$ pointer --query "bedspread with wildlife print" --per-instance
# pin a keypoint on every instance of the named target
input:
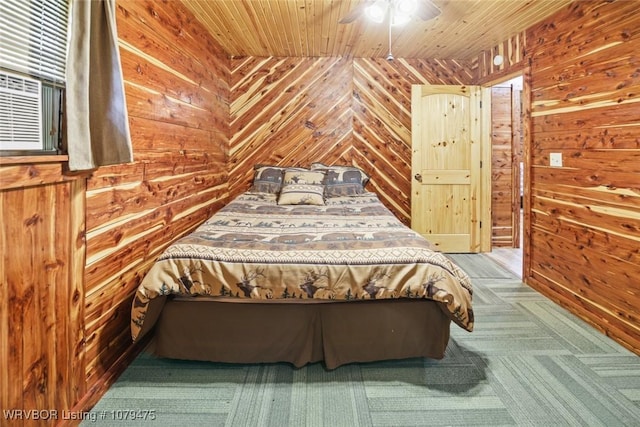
(351, 248)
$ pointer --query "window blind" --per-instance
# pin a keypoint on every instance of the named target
(33, 38)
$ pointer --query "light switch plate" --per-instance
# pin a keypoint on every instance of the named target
(555, 160)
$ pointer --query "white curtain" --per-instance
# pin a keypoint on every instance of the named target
(97, 121)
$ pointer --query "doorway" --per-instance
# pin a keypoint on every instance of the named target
(507, 180)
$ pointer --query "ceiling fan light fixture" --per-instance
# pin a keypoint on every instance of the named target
(377, 11)
(399, 19)
(406, 7)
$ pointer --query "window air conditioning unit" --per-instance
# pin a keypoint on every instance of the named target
(20, 112)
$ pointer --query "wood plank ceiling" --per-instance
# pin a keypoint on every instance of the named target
(311, 28)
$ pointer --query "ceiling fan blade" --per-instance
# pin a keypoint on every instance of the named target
(428, 10)
(355, 13)
(453, 10)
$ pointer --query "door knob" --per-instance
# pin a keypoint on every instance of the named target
(418, 177)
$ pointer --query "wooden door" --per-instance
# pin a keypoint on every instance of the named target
(451, 188)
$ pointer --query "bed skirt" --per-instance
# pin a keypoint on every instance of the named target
(336, 333)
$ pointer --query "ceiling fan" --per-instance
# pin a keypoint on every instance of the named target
(398, 11)
(395, 12)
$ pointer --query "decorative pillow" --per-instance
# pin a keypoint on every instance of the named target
(342, 180)
(342, 183)
(302, 187)
(355, 173)
(267, 179)
(301, 194)
(303, 176)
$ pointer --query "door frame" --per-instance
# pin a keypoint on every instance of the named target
(526, 247)
(485, 190)
(516, 157)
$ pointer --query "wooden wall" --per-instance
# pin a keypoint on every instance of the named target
(177, 97)
(505, 173)
(287, 111)
(501, 167)
(584, 245)
(382, 120)
(41, 293)
(64, 335)
(506, 148)
(512, 50)
(200, 122)
(293, 111)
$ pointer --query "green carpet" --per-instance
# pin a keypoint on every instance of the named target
(528, 362)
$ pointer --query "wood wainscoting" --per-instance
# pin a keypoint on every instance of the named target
(41, 289)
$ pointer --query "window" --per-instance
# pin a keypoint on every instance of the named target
(33, 47)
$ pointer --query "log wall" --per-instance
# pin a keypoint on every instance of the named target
(293, 111)
(584, 243)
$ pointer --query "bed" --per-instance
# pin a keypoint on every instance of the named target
(304, 267)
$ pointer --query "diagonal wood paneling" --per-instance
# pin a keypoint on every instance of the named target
(286, 111)
(293, 111)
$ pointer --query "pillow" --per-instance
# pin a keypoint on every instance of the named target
(267, 179)
(301, 194)
(342, 180)
(342, 183)
(303, 176)
(302, 187)
(355, 173)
